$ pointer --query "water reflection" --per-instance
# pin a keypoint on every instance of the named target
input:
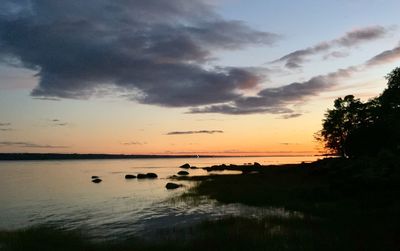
(61, 193)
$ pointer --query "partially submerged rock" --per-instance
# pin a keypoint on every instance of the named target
(245, 169)
(147, 176)
(130, 176)
(186, 166)
(171, 185)
(151, 175)
(183, 173)
(96, 180)
(95, 177)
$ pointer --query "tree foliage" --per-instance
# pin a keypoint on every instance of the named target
(353, 128)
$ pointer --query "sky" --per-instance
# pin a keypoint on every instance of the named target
(223, 77)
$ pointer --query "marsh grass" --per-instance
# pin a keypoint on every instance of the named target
(348, 204)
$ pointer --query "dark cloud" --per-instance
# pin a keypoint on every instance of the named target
(27, 145)
(195, 132)
(277, 100)
(5, 124)
(155, 52)
(297, 58)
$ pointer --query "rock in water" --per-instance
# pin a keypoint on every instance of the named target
(151, 175)
(95, 177)
(147, 176)
(130, 176)
(172, 185)
(96, 180)
(186, 166)
(183, 173)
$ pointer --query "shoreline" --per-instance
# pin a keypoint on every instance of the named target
(78, 156)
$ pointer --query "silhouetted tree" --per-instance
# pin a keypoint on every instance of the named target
(339, 122)
(353, 128)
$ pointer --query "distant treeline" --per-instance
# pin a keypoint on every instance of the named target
(61, 156)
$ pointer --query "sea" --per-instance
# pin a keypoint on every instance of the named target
(60, 193)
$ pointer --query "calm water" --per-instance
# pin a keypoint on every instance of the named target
(61, 193)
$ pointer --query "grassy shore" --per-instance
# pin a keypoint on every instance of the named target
(344, 205)
(350, 204)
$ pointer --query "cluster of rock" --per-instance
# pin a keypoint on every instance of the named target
(246, 168)
(96, 179)
(142, 176)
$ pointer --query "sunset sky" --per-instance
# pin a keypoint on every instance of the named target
(186, 77)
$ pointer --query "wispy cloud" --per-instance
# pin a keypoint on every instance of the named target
(336, 54)
(57, 122)
(132, 143)
(47, 98)
(195, 132)
(289, 144)
(352, 38)
(291, 115)
(279, 100)
(385, 57)
(4, 127)
(27, 145)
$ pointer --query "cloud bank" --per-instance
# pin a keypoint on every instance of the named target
(157, 52)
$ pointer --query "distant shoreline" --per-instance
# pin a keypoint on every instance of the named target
(78, 156)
